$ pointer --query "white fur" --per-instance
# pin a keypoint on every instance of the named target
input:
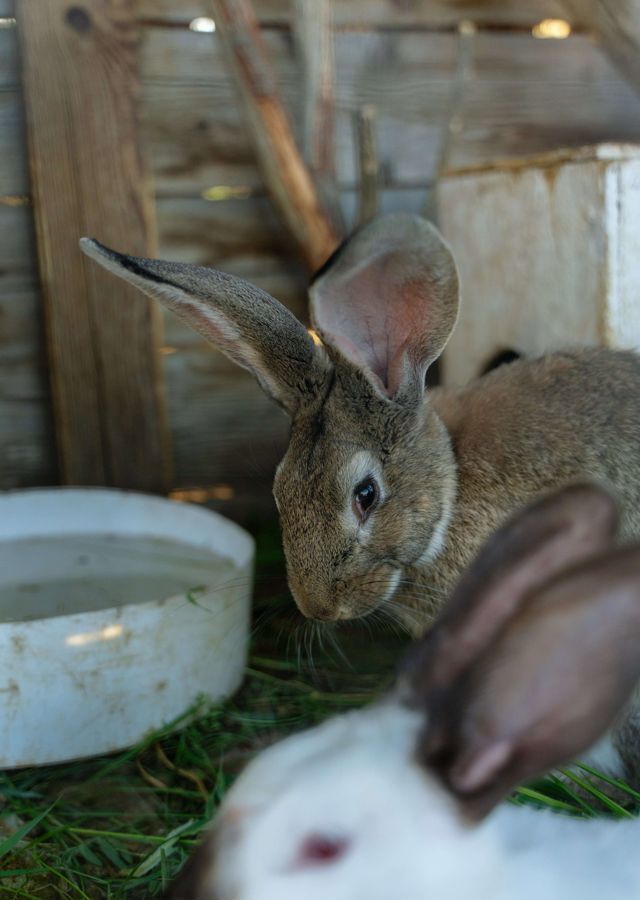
(354, 778)
(438, 535)
(604, 757)
(394, 581)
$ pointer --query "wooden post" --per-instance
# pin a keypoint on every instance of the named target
(368, 169)
(87, 175)
(312, 23)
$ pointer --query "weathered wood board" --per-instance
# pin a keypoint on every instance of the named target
(550, 257)
(377, 13)
(80, 85)
(524, 96)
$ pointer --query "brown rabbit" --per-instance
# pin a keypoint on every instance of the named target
(387, 490)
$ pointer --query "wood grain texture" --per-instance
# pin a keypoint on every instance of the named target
(283, 170)
(376, 13)
(523, 95)
(27, 454)
(14, 179)
(616, 26)
(9, 75)
(88, 178)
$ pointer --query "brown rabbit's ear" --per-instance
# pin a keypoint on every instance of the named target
(388, 301)
(546, 690)
(246, 323)
(551, 535)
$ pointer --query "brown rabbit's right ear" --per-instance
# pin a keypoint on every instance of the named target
(246, 323)
(546, 690)
(388, 301)
(536, 652)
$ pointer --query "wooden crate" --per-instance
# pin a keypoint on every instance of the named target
(549, 255)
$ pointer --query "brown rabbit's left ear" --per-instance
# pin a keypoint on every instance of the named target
(243, 321)
(388, 301)
(546, 690)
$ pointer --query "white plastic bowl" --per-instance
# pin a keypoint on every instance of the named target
(117, 612)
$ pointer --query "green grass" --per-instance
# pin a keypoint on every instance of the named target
(121, 826)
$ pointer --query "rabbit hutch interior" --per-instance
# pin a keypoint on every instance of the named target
(252, 137)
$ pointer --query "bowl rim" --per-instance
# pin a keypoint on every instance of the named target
(49, 512)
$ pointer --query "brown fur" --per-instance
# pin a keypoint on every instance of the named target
(533, 426)
(385, 306)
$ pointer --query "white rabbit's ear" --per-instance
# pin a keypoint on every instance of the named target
(246, 323)
(547, 689)
(388, 301)
(545, 538)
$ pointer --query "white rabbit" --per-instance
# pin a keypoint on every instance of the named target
(532, 659)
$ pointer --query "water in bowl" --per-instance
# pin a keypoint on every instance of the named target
(54, 576)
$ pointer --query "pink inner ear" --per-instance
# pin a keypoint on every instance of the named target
(378, 317)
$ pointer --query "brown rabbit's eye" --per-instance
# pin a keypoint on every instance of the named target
(364, 498)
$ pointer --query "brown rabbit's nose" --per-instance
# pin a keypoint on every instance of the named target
(311, 607)
(319, 612)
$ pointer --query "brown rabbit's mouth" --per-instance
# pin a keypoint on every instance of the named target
(352, 598)
(365, 594)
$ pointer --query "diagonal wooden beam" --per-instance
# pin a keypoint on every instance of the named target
(285, 174)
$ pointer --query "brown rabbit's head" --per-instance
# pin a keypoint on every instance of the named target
(367, 484)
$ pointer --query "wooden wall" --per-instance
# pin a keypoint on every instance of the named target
(521, 95)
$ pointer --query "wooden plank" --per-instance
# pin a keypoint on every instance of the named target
(524, 95)
(80, 86)
(196, 136)
(244, 237)
(378, 13)
(9, 69)
(616, 26)
(14, 179)
(7, 8)
(220, 233)
(27, 456)
(17, 244)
